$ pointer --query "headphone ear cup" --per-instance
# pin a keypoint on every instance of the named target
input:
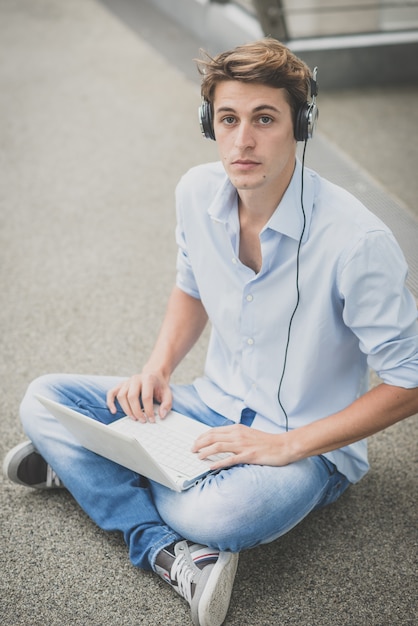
(205, 120)
(305, 122)
(301, 124)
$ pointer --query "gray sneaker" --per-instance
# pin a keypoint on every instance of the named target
(25, 466)
(202, 576)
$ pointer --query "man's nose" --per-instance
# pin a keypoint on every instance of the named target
(244, 137)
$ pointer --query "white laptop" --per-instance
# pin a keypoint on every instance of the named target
(159, 451)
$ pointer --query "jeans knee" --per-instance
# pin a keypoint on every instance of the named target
(35, 386)
(208, 515)
(209, 526)
(42, 385)
(30, 408)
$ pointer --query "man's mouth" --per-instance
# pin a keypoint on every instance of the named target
(245, 163)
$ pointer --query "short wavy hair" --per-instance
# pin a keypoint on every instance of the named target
(266, 61)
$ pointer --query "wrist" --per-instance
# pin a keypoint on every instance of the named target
(294, 446)
(158, 371)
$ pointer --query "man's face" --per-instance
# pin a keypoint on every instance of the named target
(254, 132)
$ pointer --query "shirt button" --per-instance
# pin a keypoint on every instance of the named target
(249, 298)
(250, 341)
(234, 261)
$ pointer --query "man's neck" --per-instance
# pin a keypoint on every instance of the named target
(256, 206)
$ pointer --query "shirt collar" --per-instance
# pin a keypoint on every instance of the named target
(225, 200)
(287, 219)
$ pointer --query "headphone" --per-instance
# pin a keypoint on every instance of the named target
(305, 121)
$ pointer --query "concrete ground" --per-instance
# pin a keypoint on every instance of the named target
(98, 123)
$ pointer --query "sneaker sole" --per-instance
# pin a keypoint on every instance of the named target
(214, 601)
(11, 465)
(12, 461)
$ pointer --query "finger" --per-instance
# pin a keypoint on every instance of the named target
(166, 402)
(122, 395)
(123, 400)
(211, 437)
(208, 454)
(147, 398)
(219, 447)
(226, 462)
(205, 453)
(110, 399)
(134, 401)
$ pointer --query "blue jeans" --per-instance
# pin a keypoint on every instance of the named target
(238, 508)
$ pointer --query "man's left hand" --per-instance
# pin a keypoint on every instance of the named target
(246, 444)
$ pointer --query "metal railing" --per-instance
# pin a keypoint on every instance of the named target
(292, 19)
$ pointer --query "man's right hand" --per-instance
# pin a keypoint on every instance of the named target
(183, 324)
(137, 394)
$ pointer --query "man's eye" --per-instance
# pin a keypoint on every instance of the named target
(265, 119)
(228, 120)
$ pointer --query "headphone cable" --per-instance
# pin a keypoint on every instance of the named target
(297, 290)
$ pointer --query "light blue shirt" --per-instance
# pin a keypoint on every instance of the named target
(354, 310)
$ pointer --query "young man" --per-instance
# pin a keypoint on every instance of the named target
(304, 289)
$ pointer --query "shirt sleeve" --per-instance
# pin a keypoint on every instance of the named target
(379, 309)
(185, 278)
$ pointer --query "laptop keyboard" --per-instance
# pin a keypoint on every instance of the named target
(168, 447)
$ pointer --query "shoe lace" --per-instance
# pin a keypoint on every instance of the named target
(52, 479)
(183, 572)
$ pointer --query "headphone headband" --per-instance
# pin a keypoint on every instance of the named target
(314, 83)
